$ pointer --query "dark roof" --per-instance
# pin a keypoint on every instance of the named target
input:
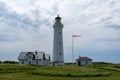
(57, 18)
(22, 55)
(37, 55)
(84, 59)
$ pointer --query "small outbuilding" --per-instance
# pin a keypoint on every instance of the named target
(83, 61)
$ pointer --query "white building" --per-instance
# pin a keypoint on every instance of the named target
(36, 58)
(58, 56)
(83, 61)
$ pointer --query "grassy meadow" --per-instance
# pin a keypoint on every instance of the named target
(67, 72)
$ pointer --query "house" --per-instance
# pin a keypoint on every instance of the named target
(83, 61)
(35, 58)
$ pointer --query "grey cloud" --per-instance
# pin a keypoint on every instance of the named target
(108, 40)
(13, 18)
(114, 26)
(104, 19)
(3, 9)
(22, 22)
(5, 38)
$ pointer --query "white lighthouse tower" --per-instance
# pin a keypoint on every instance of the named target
(58, 56)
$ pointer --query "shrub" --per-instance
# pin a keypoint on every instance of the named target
(69, 75)
(0, 61)
(10, 62)
(117, 66)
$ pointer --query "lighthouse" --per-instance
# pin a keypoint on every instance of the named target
(58, 55)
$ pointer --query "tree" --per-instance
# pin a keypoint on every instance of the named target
(0, 62)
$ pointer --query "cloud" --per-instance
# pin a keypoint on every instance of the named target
(114, 26)
(8, 38)
(109, 40)
(32, 18)
(29, 23)
(13, 23)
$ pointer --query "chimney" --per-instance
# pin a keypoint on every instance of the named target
(36, 52)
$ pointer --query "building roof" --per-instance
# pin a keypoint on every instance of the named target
(47, 56)
(22, 55)
(84, 59)
(37, 55)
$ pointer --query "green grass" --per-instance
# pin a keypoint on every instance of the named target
(67, 72)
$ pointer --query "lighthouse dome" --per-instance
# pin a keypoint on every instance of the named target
(58, 18)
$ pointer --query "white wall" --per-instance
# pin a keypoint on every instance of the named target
(58, 55)
(36, 62)
(84, 62)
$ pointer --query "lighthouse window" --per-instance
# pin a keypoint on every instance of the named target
(59, 33)
(60, 53)
(60, 43)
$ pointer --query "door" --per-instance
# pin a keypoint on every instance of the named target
(29, 62)
(79, 63)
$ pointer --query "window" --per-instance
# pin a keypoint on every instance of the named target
(36, 62)
(86, 62)
(29, 62)
(29, 57)
(59, 33)
(59, 43)
(22, 62)
(60, 53)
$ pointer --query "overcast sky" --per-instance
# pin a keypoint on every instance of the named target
(26, 25)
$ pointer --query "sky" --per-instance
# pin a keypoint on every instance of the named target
(27, 25)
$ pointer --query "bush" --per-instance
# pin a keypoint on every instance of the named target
(69, 75)
(10, 62)
(117, 66)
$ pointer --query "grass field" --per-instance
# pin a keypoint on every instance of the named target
(67, 72)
